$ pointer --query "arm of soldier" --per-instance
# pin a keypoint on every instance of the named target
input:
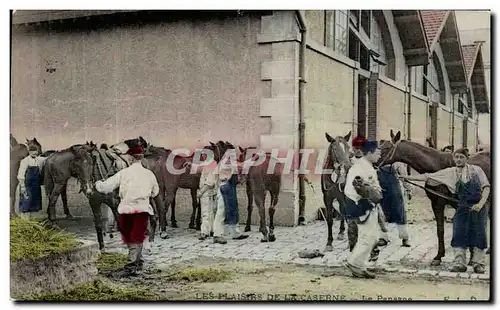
(21, 173)
(108, 185)
(485, 192)
(155, 194)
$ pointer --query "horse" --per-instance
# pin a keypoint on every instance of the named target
(187, 180)
(331, 184)
(428, 160)
(154, 160)
(17, 153)
(59, 167)
(258, 183)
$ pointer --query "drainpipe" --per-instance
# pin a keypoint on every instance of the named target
(302, 125)
(453, 121)
(409, 105)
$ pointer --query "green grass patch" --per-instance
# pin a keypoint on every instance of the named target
(29, 239)
(111, 260)
(96, 291)
(200, 275)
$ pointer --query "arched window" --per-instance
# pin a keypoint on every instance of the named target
(437, 78)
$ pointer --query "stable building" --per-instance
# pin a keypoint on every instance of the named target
(272, 79)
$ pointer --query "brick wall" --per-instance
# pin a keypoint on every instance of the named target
(372, 106)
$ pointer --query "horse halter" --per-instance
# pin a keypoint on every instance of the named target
(392, 151)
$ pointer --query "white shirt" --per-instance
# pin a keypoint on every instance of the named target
(208, 180)
(137, 184)
(29, 161)
(365, 170)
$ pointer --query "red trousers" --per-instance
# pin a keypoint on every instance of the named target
(133, 227)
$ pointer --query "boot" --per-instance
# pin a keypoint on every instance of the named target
(220, 240)
(359, 273)
(235, 232)
(459, 262)
(405, 243)
(478, 260)
(382, 242)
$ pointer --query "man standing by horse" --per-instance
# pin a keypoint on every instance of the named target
(137, 187)
(472, 188)
(228, 177)
(29, 177)
(363, 193)
(393, 200)
(207, 193)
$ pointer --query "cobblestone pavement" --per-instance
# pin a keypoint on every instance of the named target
(183, 244)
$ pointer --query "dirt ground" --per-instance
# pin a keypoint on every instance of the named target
(263, 281)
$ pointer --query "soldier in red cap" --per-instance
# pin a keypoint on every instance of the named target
(137, 186)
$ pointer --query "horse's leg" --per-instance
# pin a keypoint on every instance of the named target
(193, 212)
(260, 197)
(438, 209)
(13, 188)
(341, 235)
(64, 197)
(172, 214)
(54, 194)
(198, 212)
(95, 205)
(152, 232)
(249, 207)
(170, 201)
(272, 209)
(328, 201)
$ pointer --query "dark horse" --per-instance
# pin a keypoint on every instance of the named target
(172, 182)
(17, 153)
(153, 161)
(59, 167)
(258, 183)
(428, 160)
(337, 158)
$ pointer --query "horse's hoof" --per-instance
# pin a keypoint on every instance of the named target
(198, 228)
(436, 262)
(264, 240)
(191, 226)
(341, 236)
(174, 225)
(272, 238)
(247, 228)
(69, 217)
(329, 248)
(163, 235)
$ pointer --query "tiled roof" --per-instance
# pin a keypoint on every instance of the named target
(432, 21)
(469, 52)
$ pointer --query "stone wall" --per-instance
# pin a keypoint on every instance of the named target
(55, 272)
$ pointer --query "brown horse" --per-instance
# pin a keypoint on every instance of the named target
(154, 160)
(258, 183)
(186, 180)
(428, 160)
(337, 158)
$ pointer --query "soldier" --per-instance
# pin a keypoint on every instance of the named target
(363, 193)
(137, 186)
(470, 184)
